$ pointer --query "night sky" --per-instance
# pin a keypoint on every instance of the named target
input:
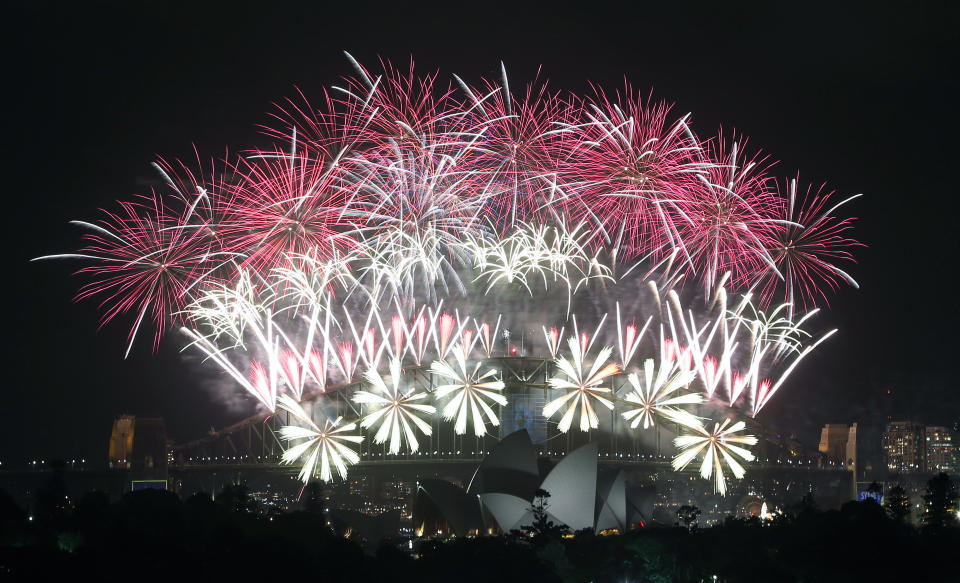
(864, 99)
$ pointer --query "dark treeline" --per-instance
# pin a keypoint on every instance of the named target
(155, 535)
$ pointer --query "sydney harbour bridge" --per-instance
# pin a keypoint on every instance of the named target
(252, 448)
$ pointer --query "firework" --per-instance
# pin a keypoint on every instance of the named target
(326, 446)
(239, 316)
(654, 394)
(144, 263)
(730, 224)
(283, 205)
(805, 246)
(717, 446)
(583, 386)
(628, 339)
(630, 168)
(471, 390)
(396, 412)
(551, 255)
(516, 144)
(415, 209)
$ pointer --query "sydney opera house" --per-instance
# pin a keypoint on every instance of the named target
(501, 493)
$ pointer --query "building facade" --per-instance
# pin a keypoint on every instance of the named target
(940, 453)
(904, 448)
(833, 441)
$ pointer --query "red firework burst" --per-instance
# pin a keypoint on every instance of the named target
(516, 140)
(399, 106)
(628, 169)
(806, 246)
(729, 222)
(285, 205)
(146, 263)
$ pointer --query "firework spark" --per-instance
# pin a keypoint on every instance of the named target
(471, 392)
(654, 395)
(583, 387)
(396, 412)
(717, 446)
(326, 446)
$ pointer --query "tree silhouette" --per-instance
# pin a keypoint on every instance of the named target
(897, 504)
(52, 499)
(236, 498)
(688, 516)
(940, 503)
(806, 507)
(312, 499)
(874, 492)
(542, 525)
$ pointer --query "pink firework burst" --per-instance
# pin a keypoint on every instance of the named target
(730, 222)
(629, 169)
(146, 263)
(413, 209)
(200, 190)
(805, 248)
(322, 131)
(398, 106)
(516, 143)
(285, 205)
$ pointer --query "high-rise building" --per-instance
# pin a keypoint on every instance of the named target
(903, 447)
(940, 450)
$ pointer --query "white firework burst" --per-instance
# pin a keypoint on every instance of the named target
(307, 281)
(553, 255)
(582, 386)
(721, 444)
(655, 394)
(471, 392)
(397, 412)
(327, 446)
(413, 210)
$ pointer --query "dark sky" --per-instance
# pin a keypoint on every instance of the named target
(864, 99)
